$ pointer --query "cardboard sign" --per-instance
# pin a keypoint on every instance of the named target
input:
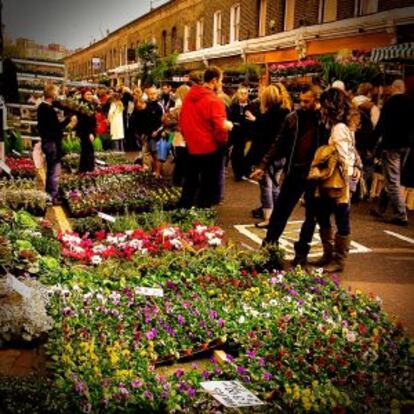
(149, 291)
(107, 217)
(5, 168)
(231, 394)
(100, 162)
(18, 286)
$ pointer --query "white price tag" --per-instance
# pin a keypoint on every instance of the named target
(231, 394)
(149, 291)
(17, 153)
(5, 168)
(107, 217)
(18, 286)
(100, 162)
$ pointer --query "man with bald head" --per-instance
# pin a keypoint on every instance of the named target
(396, 130)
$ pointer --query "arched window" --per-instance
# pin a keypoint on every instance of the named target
(164, 43)
(174, 45)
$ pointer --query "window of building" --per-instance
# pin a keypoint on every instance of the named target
(186, 45)
(217, 31)
(199, 34)
(164, 43)
(363, 7)
(174, 45)
(327, 11)
(289, 15)
(235, 23)
(262, 17)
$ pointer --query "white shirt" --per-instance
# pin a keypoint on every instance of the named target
(343, 139)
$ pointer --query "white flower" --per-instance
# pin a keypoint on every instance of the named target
(78, 249)
(96, 260)
(129, 232)
(242, 319)
(273, 302)
(215, 241)
(168, 232)
(136, 244)
(71, 239)
(99, 248)
(200, 229)
(351, 336)
(176, 243)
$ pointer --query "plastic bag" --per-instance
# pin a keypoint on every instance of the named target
(163, 149)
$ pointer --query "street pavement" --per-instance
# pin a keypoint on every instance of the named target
(382, 255)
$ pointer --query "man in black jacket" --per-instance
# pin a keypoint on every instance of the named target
(153, 126)
(301, 134)
(51, 132)
(240, 132)
(395, 126)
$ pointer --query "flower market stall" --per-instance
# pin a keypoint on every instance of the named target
(123, 302)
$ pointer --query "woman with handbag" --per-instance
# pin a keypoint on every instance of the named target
(274, 106)
(342, 119)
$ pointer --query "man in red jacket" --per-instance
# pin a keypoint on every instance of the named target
(204, 125)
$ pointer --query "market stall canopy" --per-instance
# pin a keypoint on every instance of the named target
(403, 51)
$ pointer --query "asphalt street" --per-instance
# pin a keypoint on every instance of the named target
(381, 259)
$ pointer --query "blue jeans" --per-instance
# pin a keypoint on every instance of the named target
(392, 163)
(270, 188)
(326, 207)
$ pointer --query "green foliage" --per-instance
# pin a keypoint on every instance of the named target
(70, 145)
(13, 142)
(147, 54)
(97, 144)
(352, 73)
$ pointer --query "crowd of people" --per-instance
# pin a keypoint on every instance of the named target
(322, 150)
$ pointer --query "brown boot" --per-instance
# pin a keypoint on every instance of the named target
(328, 248)
(341, 253)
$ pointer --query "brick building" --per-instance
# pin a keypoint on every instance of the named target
(228, 32)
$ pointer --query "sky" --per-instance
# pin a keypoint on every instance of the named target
(72, 23)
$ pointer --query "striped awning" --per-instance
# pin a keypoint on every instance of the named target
(403, 51)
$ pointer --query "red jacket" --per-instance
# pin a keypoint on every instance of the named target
(201, 121)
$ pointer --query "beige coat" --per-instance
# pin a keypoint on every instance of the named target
(116, 120)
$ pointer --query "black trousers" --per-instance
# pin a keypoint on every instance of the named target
(87, 156)
(202, 180)
(180, 165)
(293, 186)
(238, 162)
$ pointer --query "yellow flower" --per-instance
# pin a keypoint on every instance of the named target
(66, 358)
(125, 353)
(288, 389)
(123, 373)
(315, 383)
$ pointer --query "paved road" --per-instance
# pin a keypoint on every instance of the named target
(386, 268)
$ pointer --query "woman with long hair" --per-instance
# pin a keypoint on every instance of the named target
(342, 119)
(274, 106)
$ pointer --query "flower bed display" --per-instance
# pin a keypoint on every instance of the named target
(20, 168)
(184, 218)
(116, 189)
(297, 340)
(70, 162)
(126, 244)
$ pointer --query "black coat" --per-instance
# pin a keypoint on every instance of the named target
(50, 128)
(152, 117)
(242, 128)
(396, 126)
(287, 142)
(266, 129)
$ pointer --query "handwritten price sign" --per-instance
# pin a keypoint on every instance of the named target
(231, 394)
